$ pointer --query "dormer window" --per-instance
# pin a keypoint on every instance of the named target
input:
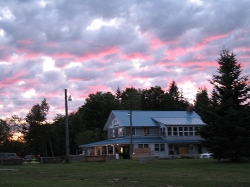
(182, 131)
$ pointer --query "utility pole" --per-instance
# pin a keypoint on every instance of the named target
(66, 127)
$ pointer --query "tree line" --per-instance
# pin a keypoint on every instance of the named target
(226, 113)
(40, 137)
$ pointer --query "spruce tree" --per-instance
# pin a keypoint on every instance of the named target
(227, 133)
(201, 102)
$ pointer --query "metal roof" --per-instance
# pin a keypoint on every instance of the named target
(126, 141)
(137, 140)
(180, 121)
(144, 118)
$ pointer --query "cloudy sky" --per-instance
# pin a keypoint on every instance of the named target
(100, 45)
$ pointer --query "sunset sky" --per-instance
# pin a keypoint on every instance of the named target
(87, 46)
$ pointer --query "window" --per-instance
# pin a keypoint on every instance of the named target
(115, 132)
(175, 132)
(162, 147)
(185, 131)
(195, 131)
(191, 147)
(169, 131)
(133, 131)
(142, 145)
(146, 130)
(159, 147)
(162, 131)
(156, 147)
(191, 131)
(182, 131)
(120, 132)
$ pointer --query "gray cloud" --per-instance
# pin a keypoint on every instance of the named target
(47, 46)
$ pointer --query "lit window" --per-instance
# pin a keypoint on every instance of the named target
(120, 132)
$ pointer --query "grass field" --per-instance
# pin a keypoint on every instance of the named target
(129, 173)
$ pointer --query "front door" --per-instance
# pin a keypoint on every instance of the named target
(125, 153)
(183, 150)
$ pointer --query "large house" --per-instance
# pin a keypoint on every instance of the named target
(164, 133)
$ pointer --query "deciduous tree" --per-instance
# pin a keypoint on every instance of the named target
(36, 131)
(5, 134)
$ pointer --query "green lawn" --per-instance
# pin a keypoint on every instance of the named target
(130, 173)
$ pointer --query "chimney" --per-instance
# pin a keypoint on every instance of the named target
(190, 108)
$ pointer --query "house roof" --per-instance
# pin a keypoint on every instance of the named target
(180, 121)
(153, 118)
(125, 141)
(137, 140)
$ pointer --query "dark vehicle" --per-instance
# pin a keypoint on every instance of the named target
(4, 156)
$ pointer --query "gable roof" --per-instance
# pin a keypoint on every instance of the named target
(145, 118)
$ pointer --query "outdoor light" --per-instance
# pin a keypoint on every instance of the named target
(69, 99)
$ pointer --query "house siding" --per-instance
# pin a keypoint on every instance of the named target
(152, 129)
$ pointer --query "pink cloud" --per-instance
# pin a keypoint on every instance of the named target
(212, 38)
(30, 55)
(51, 44)
(62, 55)
(90, 56)
(172, 54)
(12, 80)
(156, 43)
(25, 42)
(101, 88)
(136, 55)
(207, 40)
(77, 79)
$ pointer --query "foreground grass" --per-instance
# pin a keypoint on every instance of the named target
(129, 173)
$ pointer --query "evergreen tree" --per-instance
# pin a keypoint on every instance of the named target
(174, 91)
(227, 131)
(178, 103)
(118, 93)
(201, 102)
